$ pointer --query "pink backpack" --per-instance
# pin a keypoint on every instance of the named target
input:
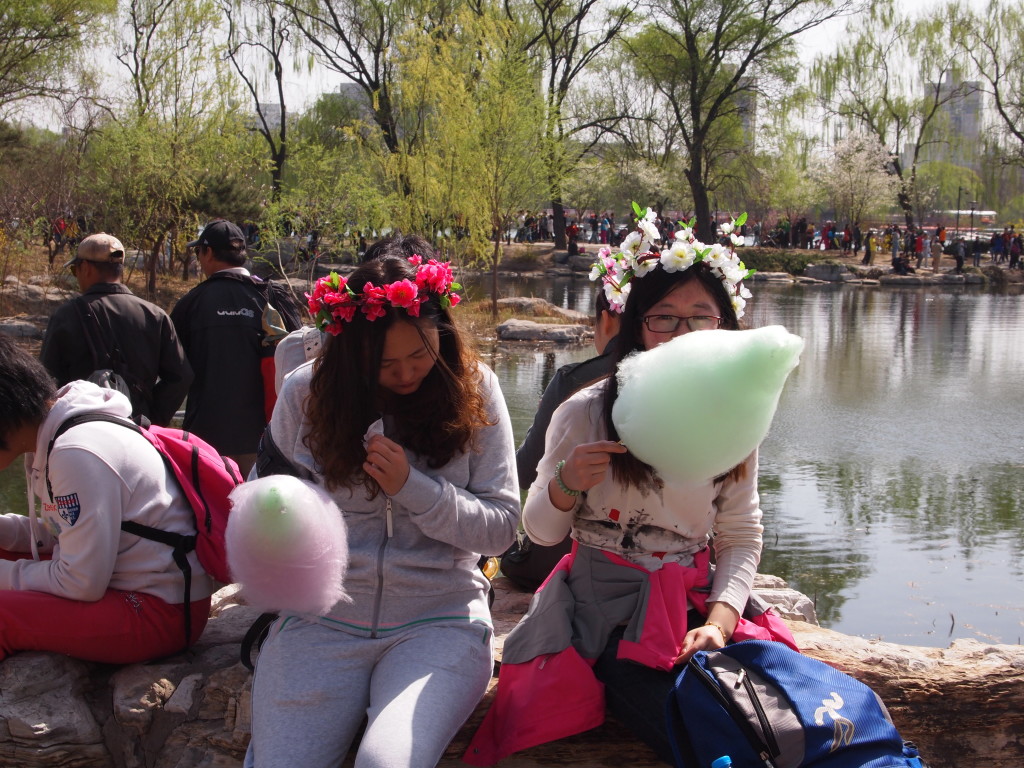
(206, 478)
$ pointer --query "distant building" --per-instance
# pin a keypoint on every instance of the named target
(272, 114)
(746, 105)
(959, 125)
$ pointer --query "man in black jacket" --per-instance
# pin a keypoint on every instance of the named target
(108, 326)
(229, 325)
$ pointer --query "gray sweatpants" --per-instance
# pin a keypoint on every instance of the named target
(314, 685)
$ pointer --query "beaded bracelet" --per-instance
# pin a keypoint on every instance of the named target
(561, 483)
(717, 626)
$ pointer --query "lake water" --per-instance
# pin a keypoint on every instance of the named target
(891, 480)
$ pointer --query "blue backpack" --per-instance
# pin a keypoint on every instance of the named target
(767, 706)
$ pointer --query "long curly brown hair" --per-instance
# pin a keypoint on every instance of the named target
(644, 294)
(437, 421)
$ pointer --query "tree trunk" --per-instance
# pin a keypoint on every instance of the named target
(495, 259)
(558, 212)
(701, 205)
(276, 172)
(154, 260)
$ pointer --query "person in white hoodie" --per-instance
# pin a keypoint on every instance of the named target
(71, 581)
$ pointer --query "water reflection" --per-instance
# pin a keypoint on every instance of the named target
(891, 483)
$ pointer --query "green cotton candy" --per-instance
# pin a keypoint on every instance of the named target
(698, 405)
(273, 525)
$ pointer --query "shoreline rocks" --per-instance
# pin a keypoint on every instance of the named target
(962, 705)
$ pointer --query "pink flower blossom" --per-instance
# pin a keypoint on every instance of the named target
(336, 298)
(454, 298)
(434, 276)
(402, 293)
(373, 301)
(344, 312)
(415, 259)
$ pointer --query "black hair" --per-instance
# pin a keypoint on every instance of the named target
(236, 257)
(26, 389)
(399, 247)
(108, 270)
(601, 303)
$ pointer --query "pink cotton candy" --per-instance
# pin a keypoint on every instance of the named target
(287, 545)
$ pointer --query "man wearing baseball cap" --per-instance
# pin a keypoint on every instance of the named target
(224, 327)
(108, 326)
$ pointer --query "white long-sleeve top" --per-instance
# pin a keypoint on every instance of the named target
(666, 522)
(101, 474)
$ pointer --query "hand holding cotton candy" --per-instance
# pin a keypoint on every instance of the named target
(698, 405)
(286, 545)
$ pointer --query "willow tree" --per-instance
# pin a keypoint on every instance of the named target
(39, 41)
(472, 146)
(710, 59)
(259, 34)
(895, 77)
(566, 38)
(358, 39)
(172, 132)
(509, 169)
(642, 158)
(994, 42)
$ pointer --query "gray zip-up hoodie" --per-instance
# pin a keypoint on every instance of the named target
(424, 568)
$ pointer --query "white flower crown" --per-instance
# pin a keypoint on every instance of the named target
(638, 255)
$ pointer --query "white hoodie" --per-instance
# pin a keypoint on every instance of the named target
(101, 474)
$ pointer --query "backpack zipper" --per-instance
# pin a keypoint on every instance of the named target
(756, 742)
(389, 532)
(762, 717)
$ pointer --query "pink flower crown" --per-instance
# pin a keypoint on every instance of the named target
(333, 302)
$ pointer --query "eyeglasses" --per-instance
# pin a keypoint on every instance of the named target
(74, 267)
(669, 323)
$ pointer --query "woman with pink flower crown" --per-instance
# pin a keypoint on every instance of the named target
(408, 432)
(634, 600)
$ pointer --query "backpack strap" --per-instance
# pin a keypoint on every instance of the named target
(91, 331)
(180, 544)
(254, 637)
(269, 461)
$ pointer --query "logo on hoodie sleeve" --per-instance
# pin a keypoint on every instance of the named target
(68, 507)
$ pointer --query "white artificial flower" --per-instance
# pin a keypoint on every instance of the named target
(616, 295)
(632, 242)
(616, 271)
(738, 304)
(645, 265)
(679, 257)
(732, 272)
(649, 228)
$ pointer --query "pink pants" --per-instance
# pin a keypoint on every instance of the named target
(119, 628)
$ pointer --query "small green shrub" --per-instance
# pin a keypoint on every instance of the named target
(778, 260)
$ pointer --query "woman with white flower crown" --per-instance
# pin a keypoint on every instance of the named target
(408, 432)
(634, 600)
